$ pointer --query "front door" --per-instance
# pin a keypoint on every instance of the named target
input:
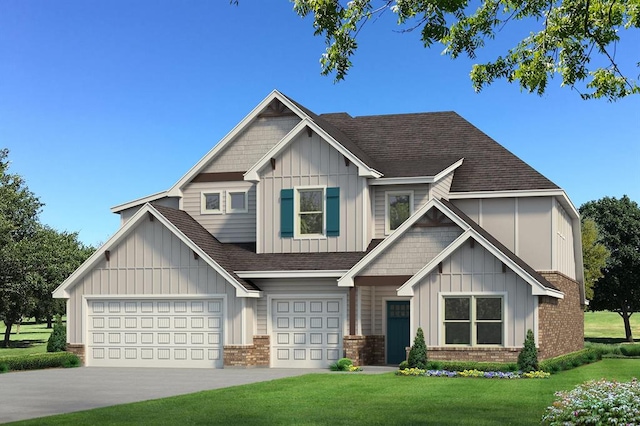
(397, 331)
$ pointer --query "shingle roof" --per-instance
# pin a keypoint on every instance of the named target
(203, 239)
(408, 145)
(497, 244)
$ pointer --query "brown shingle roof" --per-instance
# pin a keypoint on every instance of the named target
(203, 239)
(407, 145)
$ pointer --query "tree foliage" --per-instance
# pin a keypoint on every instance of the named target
(594, 255)
(528, 356)
(575, 39)
(418, 352)
(618, 289)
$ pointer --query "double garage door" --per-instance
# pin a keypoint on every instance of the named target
(155, 333)
(306, 333)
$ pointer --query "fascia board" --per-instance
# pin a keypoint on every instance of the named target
(448, 170)
(139, 201)
(235, 132)
(416, 180)
(253, 173)
(292, 274)
(347, 279)
(61, 292)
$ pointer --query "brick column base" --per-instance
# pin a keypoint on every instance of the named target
(78, 349)
(364, 350)
(246, 356)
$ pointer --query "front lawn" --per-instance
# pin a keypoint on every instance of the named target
(358, 399)
(31, 340)
(607, 327)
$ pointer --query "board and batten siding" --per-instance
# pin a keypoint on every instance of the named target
(311, 162)
(523, 225)
(251, 144)
(412, 251)
(473, 271)
(290, 287)
(227, 227)
(151, 261)
(441, 188)
(420, 197)
(565, 254)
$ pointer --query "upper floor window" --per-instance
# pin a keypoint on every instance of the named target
(473, 320)
(398, 208)
(237, 202)
(308, 212)
(211, 203)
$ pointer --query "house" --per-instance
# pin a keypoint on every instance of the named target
(301, 238)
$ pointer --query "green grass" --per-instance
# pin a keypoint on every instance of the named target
(31, 340)
(358, 399)
(607, 327)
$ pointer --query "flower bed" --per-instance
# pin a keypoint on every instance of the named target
(473, 373)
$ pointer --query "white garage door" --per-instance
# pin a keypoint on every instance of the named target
(306, 333)
(155, 333)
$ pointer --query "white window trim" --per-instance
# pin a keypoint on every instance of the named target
(296, 210)
(246, 201)
(473, 296)
(387, 225)
(203, 202)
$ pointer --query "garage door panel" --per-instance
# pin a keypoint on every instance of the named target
(306, 333)
(155, 333)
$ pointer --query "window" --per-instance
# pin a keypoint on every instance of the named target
(399, 206)
(310, 211)
(237, 202)
(211, 203)
(473, 320)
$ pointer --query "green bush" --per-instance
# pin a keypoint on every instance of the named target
(3, 367)
(342, 364)
(40, 361)
(528, 356)
(630, 350)
(596, 403)
(471, 365)
(403, 365)
(603, 348)
(569, 361)
(58, 339)
(418, 352)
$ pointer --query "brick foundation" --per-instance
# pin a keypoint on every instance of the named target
(244, 356)
(473, 354)
(561, 321)
(364, 350)
(78, 349)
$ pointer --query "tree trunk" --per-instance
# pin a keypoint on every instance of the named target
(627, 325)
(7, 334)
(49, 321)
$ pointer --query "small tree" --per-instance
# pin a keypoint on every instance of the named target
(418, 352)
(528, 357)
(58, 339)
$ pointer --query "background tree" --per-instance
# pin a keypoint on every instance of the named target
(575, 39)
(618, 290)
(594, 255)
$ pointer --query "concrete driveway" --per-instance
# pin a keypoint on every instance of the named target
(31, 394)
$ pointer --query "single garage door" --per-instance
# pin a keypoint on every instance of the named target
(155, 333)
(306, 333)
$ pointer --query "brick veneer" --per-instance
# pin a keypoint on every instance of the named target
(364, 350)
(78, 349)
(473, 354)
(255, 355)
(561, 321)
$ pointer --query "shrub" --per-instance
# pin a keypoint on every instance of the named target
(3, 367)
(58, 339)
(569, 361)
(603, 348)
(596, 402)
(418, 352)
(343, 364)
(40, 361)
(403, 365)
(528, 356)
(471, 365)
(630, 350)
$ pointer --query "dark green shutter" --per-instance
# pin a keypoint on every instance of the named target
(333, 212)
(286, 213)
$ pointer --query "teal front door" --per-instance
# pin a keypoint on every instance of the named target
(397, 331)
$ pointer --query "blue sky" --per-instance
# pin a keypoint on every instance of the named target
(106, 101)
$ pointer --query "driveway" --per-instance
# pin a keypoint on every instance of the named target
(31, 394)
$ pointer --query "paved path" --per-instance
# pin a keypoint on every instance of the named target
(31, 394)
